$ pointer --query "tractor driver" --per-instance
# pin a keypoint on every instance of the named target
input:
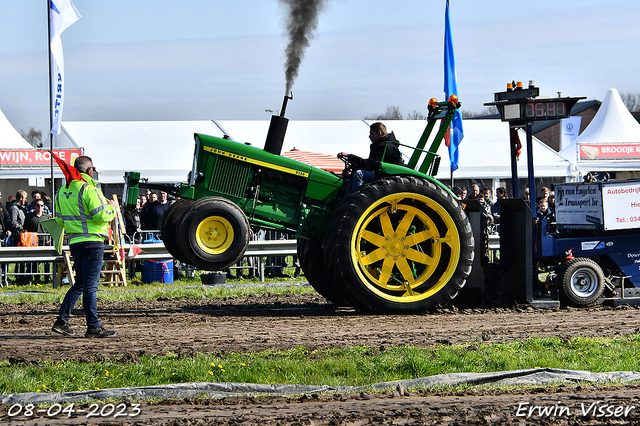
(384, 147)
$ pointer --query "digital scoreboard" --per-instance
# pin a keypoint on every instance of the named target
(522, 105)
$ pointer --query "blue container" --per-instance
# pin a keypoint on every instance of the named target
(157, 271)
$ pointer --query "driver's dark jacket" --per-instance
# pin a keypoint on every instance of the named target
(392, 154)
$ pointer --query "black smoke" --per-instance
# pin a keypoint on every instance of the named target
(301, 23)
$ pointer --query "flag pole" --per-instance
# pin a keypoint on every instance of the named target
(53, 188)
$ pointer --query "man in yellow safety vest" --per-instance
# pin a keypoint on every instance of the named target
(85, 213)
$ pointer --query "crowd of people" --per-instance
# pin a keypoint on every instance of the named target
(544, 207)
(20, 225)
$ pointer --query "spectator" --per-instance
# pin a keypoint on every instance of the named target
(144, 210)
(486, 192)
(155, 210)
(10, 200)
(527, 196)
(16, 214)
(544, 193)
(32, 224)
(473, 194)
(48, 202)
(463, 191)
(501, 194)
(544, 211)
(5, 222)
(36, 195)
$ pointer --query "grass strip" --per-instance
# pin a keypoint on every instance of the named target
(138, 290)
(355, 366)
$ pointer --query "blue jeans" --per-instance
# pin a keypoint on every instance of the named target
(359, 178)
(87, 264)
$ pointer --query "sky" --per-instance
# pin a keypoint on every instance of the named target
(225, 60)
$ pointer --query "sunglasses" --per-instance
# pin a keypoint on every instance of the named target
(94, 169)
(39, 205)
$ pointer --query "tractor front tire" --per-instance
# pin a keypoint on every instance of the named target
(213, 234)
(399, 245)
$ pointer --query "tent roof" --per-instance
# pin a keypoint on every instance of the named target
(326, 137)
(9, 136)
(161, 150)
(484, 152)
(613, 123)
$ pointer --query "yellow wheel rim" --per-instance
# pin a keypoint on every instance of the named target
(214, 235)
(405, 247)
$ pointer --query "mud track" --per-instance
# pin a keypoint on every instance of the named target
(259, 322)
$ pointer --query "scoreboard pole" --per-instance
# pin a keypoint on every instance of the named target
(532, 179)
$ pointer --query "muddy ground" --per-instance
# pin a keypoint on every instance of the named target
(259, 322)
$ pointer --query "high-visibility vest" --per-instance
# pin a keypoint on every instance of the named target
(83, 211)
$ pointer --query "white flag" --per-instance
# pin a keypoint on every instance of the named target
(570, 130)
(62, 13)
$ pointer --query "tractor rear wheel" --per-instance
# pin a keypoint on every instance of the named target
(400, 244)
(310, 256)
(212, 234)
(582, 281)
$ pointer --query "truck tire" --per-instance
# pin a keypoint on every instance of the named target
(167, 225)
(212, 234)
(399, 244)
(310, 256)
(582, 281)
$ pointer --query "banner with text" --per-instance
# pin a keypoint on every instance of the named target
(611, 151)
(11, 158)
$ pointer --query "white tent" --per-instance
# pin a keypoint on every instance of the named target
(613, 124)
(484, 152)
(324, 137)
(9, 136)
(161, 150)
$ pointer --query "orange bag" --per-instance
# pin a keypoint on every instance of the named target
(28, 239)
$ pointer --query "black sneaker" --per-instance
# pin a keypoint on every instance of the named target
(61, 327)
(99, 332)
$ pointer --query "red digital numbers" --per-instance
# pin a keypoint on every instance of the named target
(545, 110)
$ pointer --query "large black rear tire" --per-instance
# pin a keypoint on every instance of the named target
(212, 234)
(400, 244)
(310, 256)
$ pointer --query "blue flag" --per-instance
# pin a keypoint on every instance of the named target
(451, 88)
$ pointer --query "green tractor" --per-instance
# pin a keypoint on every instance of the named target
(398, 244)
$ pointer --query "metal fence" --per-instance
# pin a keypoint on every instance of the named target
(151, 251)
(258, 250)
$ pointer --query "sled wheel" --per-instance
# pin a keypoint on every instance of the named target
(400, 245)
(212, 234)
(167, 225)
(310, 256)
(582, 281)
